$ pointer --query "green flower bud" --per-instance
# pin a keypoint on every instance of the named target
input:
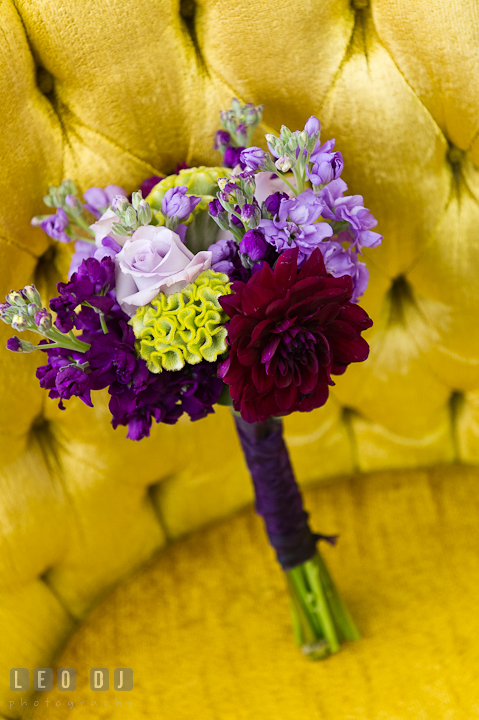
(285, 133)
(129, 217)
(32, 295)
(144, 213)
(15, 298)
(19, 322)
(284, 163)
(118, 229)
(136, 199)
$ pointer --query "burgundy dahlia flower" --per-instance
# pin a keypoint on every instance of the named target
(289, 330)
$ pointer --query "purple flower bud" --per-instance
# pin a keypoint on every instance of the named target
(215, 208)
(250, 214)
(176, 203)
(54, 226)
(222, 140)
(16, 345)
(232, 155)
(254, 245)
(312, 126)
(253, 158)
(273, 201)
(97, 199)
(120, 204)
(242, 134)
(43, 320)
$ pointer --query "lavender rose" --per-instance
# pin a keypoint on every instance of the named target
(154, 260)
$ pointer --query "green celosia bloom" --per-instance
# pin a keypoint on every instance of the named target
(185, 327)
(200, 181)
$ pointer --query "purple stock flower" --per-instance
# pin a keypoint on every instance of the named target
(303, 209)
(54, 226)
(63, 375)
(176, 203)
(254, 245)
(232, 157)
(98, 199)
(14, 344)
(350, 209)
(272, 202)
(326, 165)
(295, 225)
(215, 208)
(73, 380)
(312, 126)
(225, 259)
(222, 140)
(90, 284)
(253, 158)
(340, 261)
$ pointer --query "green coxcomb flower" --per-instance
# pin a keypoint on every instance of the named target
(200, 181)
(185, 327)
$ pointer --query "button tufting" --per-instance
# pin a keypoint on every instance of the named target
(455, 155)
(187, 9)
(45, 81)
(400, 294)
(360, 4)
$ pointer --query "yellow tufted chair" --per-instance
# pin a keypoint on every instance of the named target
(113, 92)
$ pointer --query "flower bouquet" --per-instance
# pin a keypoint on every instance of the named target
(236, 285)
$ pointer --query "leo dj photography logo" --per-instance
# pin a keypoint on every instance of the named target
(66, 679)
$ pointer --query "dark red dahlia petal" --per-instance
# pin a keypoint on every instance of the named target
(265, 279)
(261, 380)
(286, 397)
(313, 266)
(355, 316)
(337, 369)
(314, 400)
(278, 308)
(270, 349)
(254, 300)
(286, 269)
(231, 304)
(261, 328)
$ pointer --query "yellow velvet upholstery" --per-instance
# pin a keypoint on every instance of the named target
(117, 91)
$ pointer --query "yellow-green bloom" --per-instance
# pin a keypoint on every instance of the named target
(201, 182)
(185, 327)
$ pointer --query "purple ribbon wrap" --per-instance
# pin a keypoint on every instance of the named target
(278, 499)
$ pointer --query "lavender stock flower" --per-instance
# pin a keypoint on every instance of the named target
(350, 209)
(326, 165)
(254, 245)
(176, 203)
(253, 158)
(312, 126)
(55, 225)
(98, 199)
(232, 157)
(340, 261)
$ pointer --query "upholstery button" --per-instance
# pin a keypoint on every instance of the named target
(187, 9)
(455, 155)
(360, 4)
(45, 81)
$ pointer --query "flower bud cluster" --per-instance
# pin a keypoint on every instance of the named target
(240, 122)
(23, 311)
(131, 215)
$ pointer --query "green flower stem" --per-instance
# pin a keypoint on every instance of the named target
(320, 618)
(66, 341)
(103, 323)
(83, 224)
(282, 177)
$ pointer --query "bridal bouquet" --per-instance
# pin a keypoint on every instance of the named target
(236, 285)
